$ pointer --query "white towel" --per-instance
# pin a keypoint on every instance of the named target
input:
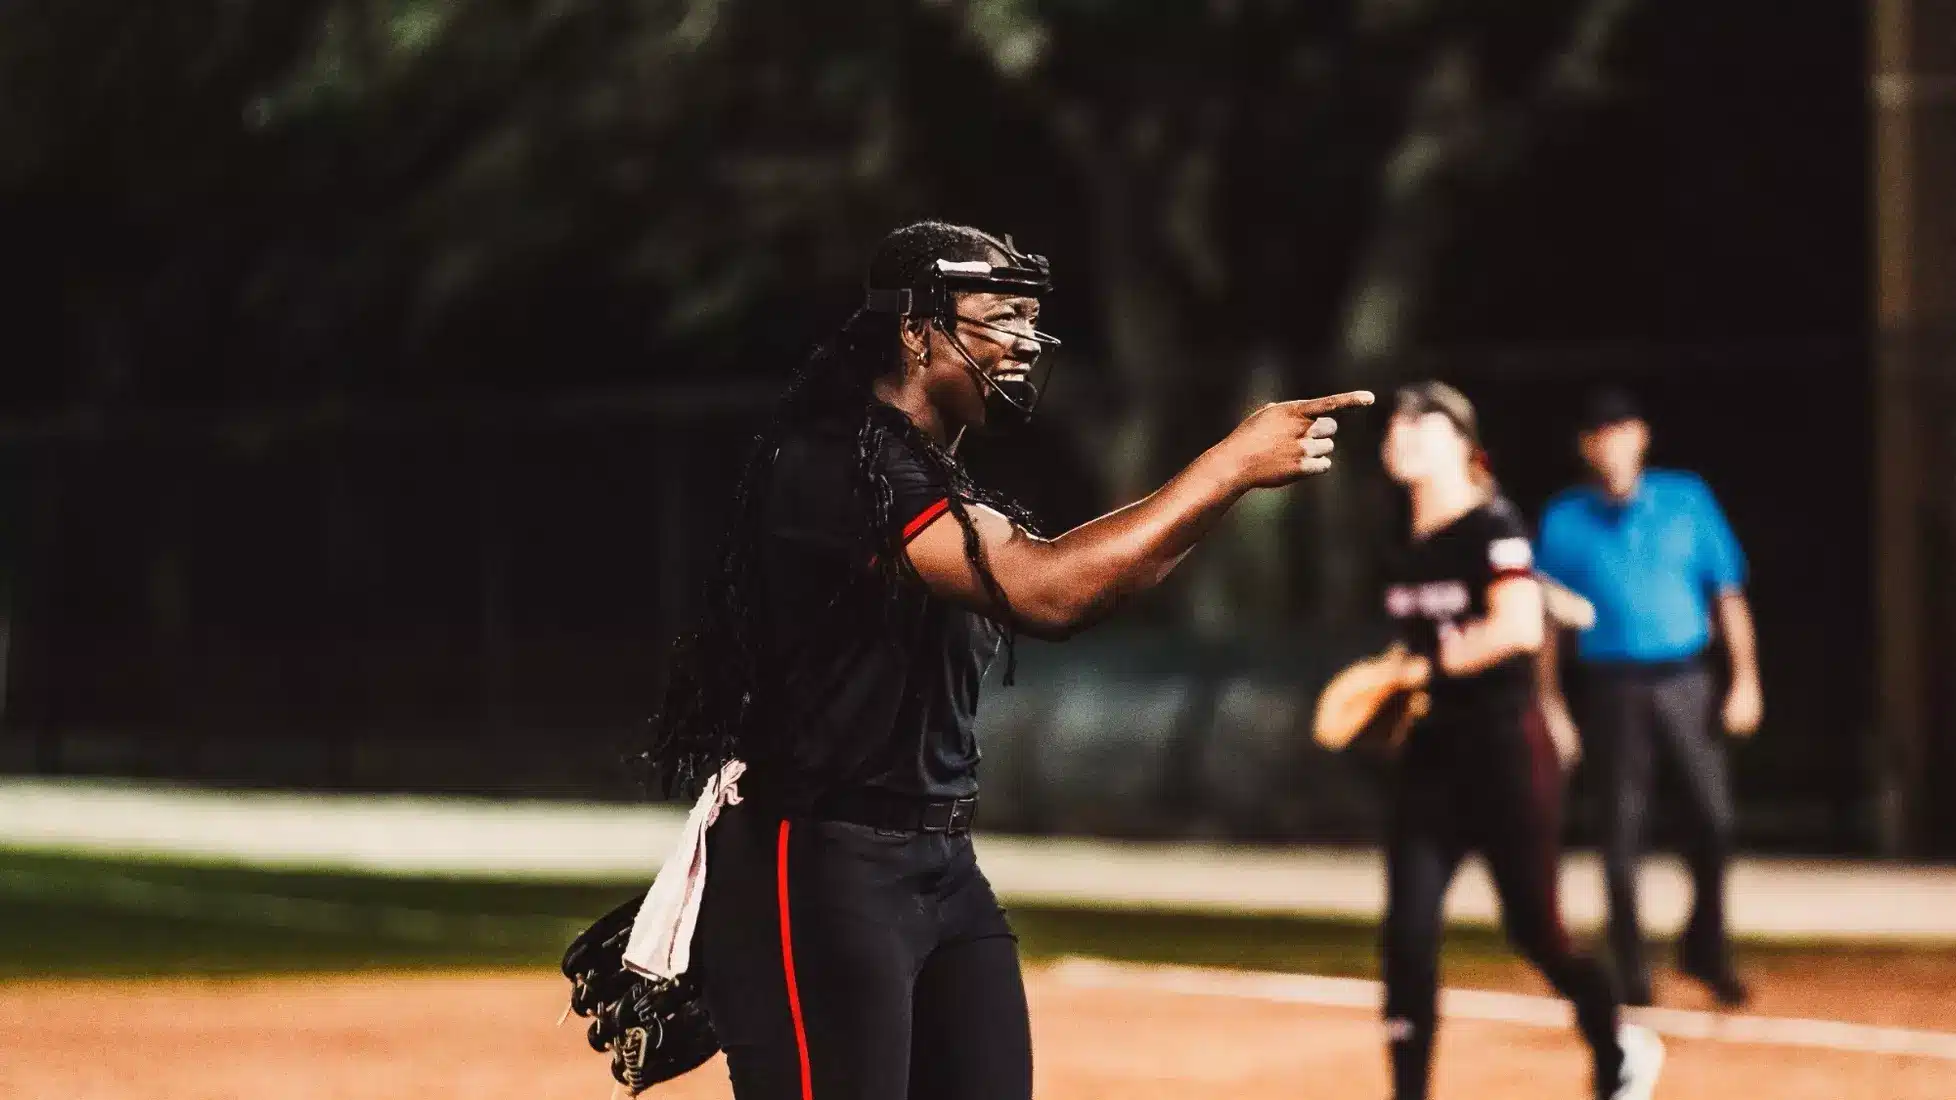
(661, 944)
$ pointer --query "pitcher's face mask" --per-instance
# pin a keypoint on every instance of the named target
(1014, 386)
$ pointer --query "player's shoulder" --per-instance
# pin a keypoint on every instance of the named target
(911, 470)
(900, 445)
(1500, 518)
(811, 479)
(817, 457)
(1503, 536)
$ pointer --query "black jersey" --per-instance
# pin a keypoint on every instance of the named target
(858, 698)
(1444, 578)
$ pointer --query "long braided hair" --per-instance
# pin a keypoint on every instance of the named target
(716, 695)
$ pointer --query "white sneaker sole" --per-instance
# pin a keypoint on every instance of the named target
(1643, 1060)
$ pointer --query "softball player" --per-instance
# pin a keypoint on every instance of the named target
(848, 946)
(1477, 772)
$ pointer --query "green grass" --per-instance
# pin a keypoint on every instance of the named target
(72, 916)
(80, 916)
(84, 916)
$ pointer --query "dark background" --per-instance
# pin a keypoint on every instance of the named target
(368, 396)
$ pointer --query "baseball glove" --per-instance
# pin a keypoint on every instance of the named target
(1368, 703)
(654, 1029)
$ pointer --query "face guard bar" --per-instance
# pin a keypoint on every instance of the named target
(1022, 275)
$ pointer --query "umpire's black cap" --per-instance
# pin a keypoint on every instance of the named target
(1606, 406)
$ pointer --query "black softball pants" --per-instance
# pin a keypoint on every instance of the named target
(1489, 784)
(844, 962)
(1633, 716)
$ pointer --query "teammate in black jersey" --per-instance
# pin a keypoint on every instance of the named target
(849, 948)
(1477, 773)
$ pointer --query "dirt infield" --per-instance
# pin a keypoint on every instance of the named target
(490, 1037)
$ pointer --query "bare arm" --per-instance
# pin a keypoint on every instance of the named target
(1548, 679)
(1735, 620)
(1059, 586)
(1553, 704)
(1514, 625)
(1744, 702)
(1566, 609)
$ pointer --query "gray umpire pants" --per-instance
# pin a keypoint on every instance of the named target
(1635, 714)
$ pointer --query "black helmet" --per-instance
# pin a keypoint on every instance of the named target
(1024, 274)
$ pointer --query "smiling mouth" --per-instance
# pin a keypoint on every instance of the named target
(1012, 372)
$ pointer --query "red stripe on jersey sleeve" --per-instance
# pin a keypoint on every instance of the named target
(916, 526)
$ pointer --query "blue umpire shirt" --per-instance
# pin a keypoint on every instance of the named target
(1653, 565)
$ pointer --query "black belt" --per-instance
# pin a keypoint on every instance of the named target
(899, 813)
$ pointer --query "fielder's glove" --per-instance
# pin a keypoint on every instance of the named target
(654, 1029)
(1370, 704)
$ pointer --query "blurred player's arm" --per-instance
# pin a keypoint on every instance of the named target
(1057, 587)
(1553, 704)
(1569, 611)
(1515, 624)
(1565, 609)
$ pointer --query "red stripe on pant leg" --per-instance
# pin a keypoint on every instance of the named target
(788, 963)
(1545, 782)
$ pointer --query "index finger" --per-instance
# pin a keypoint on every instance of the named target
(1318, 406)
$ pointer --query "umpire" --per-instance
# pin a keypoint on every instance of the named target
(1652, 551)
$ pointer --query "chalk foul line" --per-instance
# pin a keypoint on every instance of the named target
(1510, 1008)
